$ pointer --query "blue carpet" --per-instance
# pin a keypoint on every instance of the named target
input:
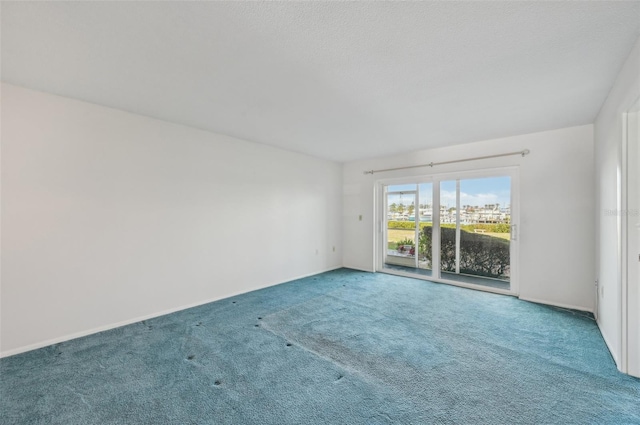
(343, 347)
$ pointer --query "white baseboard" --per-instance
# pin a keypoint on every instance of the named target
(92, 331)
(292, 279)
(359, 269)
(561, 305)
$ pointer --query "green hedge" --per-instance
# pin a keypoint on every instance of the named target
(406, 225)
(491, 228)
(480, 255)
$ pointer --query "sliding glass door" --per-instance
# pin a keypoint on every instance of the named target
(471, 217)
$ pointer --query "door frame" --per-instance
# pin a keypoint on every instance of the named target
(380, 214)
(629, 299)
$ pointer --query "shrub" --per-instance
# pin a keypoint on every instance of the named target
(406, 225)
(491, 228)
(401, 244)
(406, 241)
(480, 255)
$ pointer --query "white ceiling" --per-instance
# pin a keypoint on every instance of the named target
(336, 80)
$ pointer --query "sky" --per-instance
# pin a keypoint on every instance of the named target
(475, 192)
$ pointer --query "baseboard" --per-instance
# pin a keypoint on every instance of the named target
(569, 306)
(358, 268)
(296, 278)
(98, 329)
(613, 353)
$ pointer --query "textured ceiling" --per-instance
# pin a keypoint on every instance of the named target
(335, 80)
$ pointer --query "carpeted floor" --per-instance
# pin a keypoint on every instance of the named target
(344, 347)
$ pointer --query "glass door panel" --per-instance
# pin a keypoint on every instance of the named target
(485, 237)
(475, 224)
(448, 233)
(424, 214)
(401, 228)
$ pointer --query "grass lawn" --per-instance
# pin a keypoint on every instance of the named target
(395, 235)
(506, 236)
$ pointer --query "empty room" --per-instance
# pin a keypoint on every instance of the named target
(319, 212)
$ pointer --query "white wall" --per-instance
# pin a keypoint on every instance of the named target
(556, 208)
(110, 217)
(608, 137)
